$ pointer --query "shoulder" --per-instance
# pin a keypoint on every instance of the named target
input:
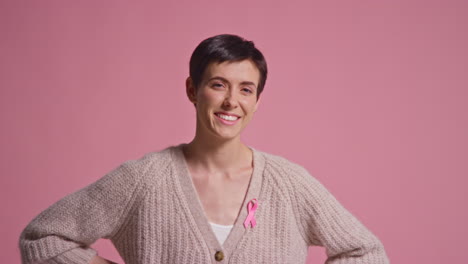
(305, 190)
(147, 161)
(142, 171)
(291, 176)
(276, 164)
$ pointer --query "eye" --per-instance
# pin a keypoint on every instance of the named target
(248, 90)
(217, 85)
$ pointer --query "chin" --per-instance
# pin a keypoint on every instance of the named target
(226, 136)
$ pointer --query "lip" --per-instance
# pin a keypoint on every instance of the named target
(228, 114)
(226, 122)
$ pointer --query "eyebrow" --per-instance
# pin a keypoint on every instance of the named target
(225, 80)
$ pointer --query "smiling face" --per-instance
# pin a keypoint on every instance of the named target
(226, 98)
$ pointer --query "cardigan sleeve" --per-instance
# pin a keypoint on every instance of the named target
(327, 223)
(64, 232)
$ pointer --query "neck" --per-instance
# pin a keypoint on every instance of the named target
(215, 156)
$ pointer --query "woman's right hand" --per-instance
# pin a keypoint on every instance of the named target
(99, 260)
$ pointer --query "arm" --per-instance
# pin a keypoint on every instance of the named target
(64, 231)
(99, 260)
(327, 223)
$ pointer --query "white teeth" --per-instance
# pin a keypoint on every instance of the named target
(226, 117)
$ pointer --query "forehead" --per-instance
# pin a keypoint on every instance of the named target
(234, 71)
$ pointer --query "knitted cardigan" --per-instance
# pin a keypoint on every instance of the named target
(151, 212)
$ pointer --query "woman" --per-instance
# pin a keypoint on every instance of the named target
(211, 200)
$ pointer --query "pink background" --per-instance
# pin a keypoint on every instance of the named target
(370, 96)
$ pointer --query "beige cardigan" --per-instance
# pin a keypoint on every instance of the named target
(150, 210)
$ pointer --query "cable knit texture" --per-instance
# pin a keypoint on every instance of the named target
(151, 212)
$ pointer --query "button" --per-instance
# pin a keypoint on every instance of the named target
(219, 255)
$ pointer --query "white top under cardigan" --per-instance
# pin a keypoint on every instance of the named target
(221, 231)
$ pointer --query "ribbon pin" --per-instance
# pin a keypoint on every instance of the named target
(251, 208)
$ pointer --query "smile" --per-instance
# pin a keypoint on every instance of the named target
(227, 119)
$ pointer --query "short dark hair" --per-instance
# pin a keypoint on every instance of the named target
(226, 47)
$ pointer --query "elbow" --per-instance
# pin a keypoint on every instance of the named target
(375, 253)
(371, 252)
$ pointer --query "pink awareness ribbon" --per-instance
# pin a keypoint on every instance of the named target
(251, 208)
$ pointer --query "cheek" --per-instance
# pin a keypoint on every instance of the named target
(207, 97)
(249, 104)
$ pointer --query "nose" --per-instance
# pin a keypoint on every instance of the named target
(230, 101)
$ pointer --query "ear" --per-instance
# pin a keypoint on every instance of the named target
(256, 104)
(190, 90)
